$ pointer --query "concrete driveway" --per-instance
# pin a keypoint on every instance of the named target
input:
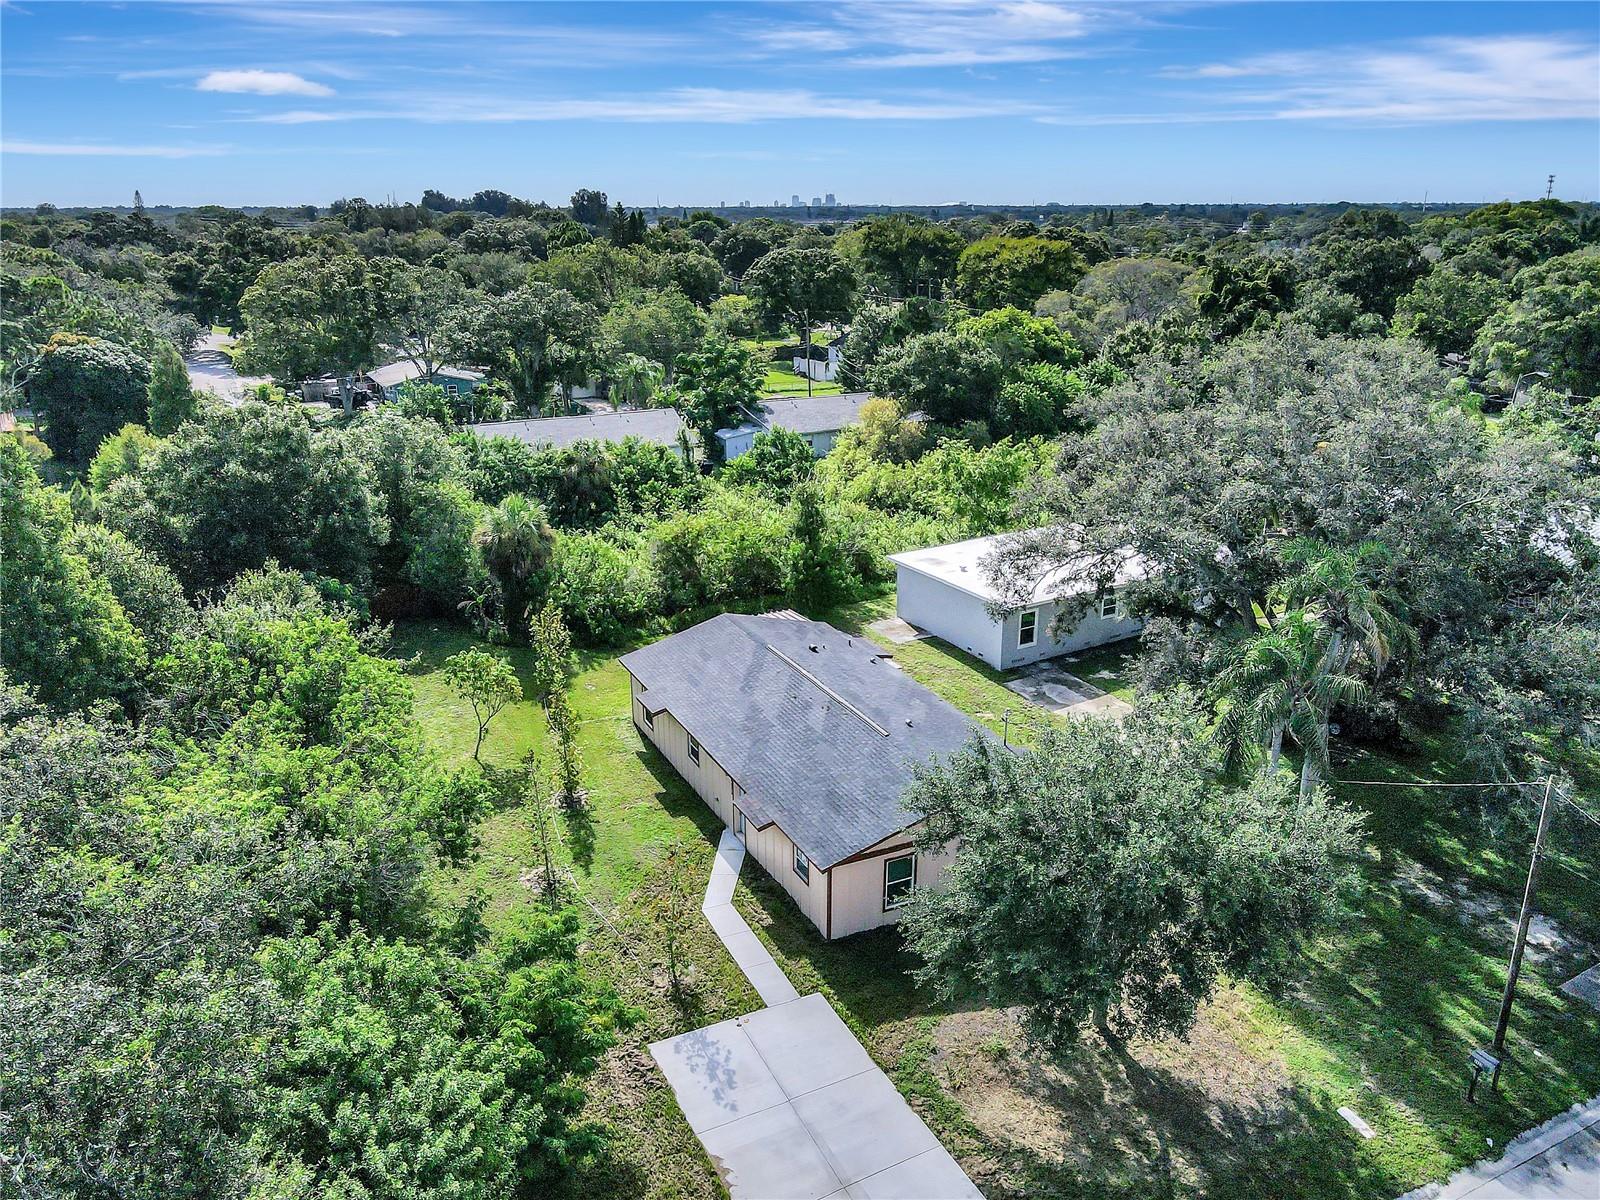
(1059, 691)
(210, 370)
(790, 1106)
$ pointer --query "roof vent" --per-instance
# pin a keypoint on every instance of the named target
(814, 648)
(908, 722)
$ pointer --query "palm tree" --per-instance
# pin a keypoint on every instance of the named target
(1283, 680)
(517, 544)
(1336, 586)
(636, 380)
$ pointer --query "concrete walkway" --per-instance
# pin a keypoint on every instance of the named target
(771, 984)
(786, 1100)
(1560, 1160)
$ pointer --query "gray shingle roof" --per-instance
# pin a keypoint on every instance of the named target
(819, 731)
(807, 414)
(659, 425)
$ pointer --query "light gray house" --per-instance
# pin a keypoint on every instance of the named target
(802, 740)
(946, 591)
(659, 425)
(456, 381)
(818, 419)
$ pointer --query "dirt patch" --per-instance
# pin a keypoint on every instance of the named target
(1169, 1109)
(1477, 909)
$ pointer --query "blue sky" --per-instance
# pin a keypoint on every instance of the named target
(1020, 101)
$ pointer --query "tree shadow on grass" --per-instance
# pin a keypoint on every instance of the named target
(578, 821)
(1127, 1129)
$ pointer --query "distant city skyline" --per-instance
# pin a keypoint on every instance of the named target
(1016, 102)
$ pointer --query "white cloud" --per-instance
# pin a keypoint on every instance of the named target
(951, 33)
(1529, 78)
(262, 83)
(88, 150)
(716, 106)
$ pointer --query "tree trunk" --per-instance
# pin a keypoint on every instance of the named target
(1274, 750)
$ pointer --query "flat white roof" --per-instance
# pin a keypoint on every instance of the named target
(963, 565)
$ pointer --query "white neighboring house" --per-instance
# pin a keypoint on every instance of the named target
(818, 419)
(946, 591)
(456, 381)
(823, 365)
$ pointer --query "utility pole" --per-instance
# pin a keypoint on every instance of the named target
(1522, 921)
(1550, 187)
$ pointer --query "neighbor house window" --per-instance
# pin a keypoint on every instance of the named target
(1110, 606)
(802, 865)
(452, 390)
(694, 750)
(899, 877)
(1028, 630)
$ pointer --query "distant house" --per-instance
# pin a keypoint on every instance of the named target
(802, 740)
(945, 590)
(663, 426)
(456, 381)
(823, 362)
(818, 419)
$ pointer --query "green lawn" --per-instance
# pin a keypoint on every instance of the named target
(781, 381)
(1380, 1018)
(636, 806)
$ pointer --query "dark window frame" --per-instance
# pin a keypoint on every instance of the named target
(910, 884)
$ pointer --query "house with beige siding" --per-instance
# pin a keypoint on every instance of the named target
(802, 739)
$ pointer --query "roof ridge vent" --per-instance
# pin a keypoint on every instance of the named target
(828, 691)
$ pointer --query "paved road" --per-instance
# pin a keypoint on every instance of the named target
(210, 370)
(1558, 1161)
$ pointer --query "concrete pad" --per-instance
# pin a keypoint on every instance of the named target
(931, 1175)
(1585, 986)
(1102, 706)
(805, 1045)
(717, 1075)
(896, 631)
(768, 1156)
(863, 1125)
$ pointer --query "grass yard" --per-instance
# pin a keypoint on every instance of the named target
(781, 381)
(1380, 1018)
(636, 806)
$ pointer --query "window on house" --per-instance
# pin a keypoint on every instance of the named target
(452, 390)
(1028, 630)
(738, 821)
(1110, 606)
(899, 877)
(649, 717)
(802, 865)
(694, 751)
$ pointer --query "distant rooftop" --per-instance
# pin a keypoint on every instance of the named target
(405, 370)
(658, 425)
(963, 565)
(806, 414)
